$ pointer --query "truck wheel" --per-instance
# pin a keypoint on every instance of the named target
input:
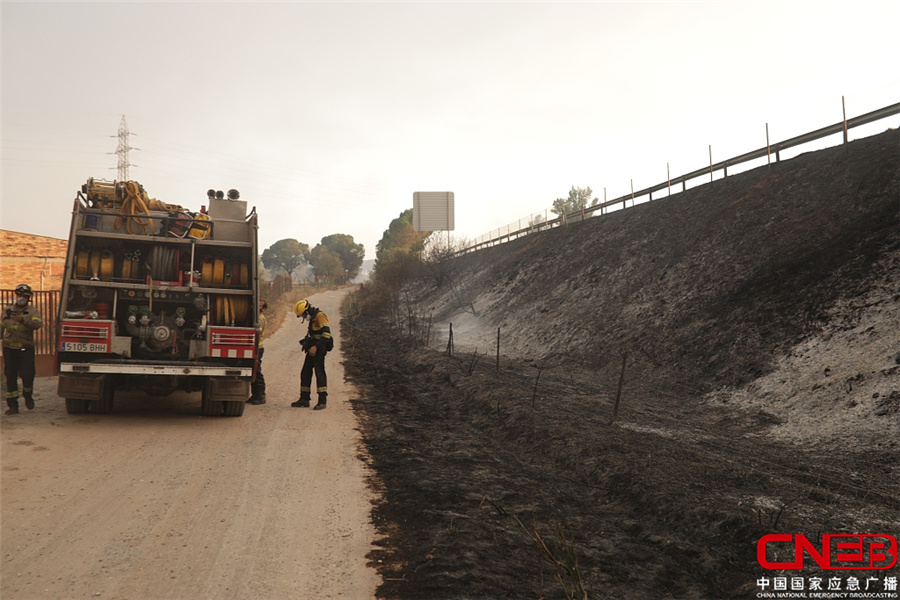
(210, 408)
(104, 404)
(234, 409)
(76, 406)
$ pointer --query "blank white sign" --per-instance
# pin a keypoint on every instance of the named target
(433, 211)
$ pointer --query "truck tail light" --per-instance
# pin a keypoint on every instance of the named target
(232, 342)
(85, 336)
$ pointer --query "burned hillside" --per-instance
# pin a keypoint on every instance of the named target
(748, 329)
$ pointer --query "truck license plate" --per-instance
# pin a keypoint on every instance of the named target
(84, 347)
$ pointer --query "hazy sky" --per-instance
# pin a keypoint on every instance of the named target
(328, 116)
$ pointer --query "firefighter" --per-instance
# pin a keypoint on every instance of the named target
(317, 343)
(20, 321)
(258, 386)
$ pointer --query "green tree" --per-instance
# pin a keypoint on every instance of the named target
(287, 254)
(350, 253)
(397, 255)
(401, 235)
(578, 200)
(327, 265)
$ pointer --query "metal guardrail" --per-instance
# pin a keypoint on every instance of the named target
(537, 223)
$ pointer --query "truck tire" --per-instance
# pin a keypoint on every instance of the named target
(104, 404)
(234, 409)
(76, 406)
(210, 408)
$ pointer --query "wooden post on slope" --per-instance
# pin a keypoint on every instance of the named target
(619, 392)
(534, 392)
(844, 105)
(498, 350)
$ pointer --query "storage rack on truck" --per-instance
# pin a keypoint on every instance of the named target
(158, 298)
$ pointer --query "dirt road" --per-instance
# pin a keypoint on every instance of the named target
(155, 501)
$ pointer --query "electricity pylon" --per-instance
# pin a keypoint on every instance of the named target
(122, 151)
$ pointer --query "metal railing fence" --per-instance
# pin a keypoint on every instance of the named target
(537, 222)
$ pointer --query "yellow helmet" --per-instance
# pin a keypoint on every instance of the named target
(301, 307)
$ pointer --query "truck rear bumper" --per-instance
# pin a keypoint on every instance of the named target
(179, 370)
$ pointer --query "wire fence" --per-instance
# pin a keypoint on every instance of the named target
(627, 377)
(536, 222)
(273, 290)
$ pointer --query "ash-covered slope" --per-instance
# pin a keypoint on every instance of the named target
(760, 315)
(714, 283)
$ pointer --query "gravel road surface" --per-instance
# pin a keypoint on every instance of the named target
(156, 501)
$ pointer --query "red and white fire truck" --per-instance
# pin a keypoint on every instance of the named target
(158, 298)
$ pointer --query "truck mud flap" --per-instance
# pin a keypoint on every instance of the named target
(81, 387)
(85, 393)
(225, 397)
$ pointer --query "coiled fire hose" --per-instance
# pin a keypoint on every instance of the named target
(133, 205)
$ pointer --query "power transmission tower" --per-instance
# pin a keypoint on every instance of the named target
(122, 151)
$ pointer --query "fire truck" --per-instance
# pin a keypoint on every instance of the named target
(158, 298)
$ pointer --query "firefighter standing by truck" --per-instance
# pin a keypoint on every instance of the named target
(317, 343)
(258, 386)
(20, 321)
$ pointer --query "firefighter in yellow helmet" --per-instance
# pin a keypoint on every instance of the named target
(317, 343)
(20, 321)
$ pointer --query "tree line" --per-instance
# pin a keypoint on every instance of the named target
(401, 250)
(336, 259)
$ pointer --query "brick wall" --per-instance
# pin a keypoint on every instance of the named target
(33, 259)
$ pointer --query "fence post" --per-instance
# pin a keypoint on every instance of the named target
(768, 147)
(619, 392)
(844, 105)
(450, 342)
(498, 350)
(534, 392)
(710, 163)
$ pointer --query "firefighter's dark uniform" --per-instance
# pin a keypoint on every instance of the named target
(18, 353)
(258, 386)
(319, 335)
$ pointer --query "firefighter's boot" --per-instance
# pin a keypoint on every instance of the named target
(13, 407)
(29, 400)
(303, 402)
(323, 398)
(259, 396)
